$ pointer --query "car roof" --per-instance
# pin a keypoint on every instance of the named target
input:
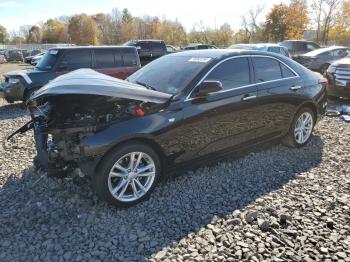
(259, 45)
(325, 49)
(220, 53)
(146, 40)
(90, 47)
(298, 41)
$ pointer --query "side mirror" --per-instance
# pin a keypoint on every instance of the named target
(207, 87)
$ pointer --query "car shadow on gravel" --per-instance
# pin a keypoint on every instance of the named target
(12, 111)
(47, 218)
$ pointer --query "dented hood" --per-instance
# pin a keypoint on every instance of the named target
(90, 82)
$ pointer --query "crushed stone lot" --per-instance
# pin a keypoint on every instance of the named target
(276, 204)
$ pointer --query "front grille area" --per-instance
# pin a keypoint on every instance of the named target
(342, 73)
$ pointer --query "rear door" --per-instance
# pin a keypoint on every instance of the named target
(276, 83)
(224, 119)
(116, 62)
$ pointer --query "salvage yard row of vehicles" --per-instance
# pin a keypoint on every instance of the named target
(125, 126)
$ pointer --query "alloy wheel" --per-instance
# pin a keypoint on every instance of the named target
(303, 128)
(131, 176)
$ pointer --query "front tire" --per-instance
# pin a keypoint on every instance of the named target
(300, 132)
(128, 174)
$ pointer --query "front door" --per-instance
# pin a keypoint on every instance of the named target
(224, 119)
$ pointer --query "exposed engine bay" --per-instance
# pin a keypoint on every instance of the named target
(60, 122)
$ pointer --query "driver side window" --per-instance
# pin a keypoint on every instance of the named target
(232, 73)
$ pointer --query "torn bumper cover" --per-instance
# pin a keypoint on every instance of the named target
(78, 105)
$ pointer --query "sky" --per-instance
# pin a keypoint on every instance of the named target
(14, 13)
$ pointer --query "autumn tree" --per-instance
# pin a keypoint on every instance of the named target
(296, 19)
(82, 30)
(34, 35)
(276, 26)
(3, 35)
(54, 32)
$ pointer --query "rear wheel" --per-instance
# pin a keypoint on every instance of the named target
(128, 174)
(301, 130)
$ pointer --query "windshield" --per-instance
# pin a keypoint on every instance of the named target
(48, 60)
(169, 74)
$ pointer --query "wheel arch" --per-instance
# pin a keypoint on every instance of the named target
(312, 106)
(144, 140)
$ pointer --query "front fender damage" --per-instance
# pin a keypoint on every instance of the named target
(62, 119)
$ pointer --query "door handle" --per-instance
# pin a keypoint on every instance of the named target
(295, 88)
(247, 98)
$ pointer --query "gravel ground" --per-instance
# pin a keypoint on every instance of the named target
(276, 204)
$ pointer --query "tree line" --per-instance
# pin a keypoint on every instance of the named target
(326, 21)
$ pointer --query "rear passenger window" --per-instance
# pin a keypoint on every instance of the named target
(157, 46)
(286, 72)
(266, 69)
(104, 58)
(75, 59)
(232, 73)
(129, 57)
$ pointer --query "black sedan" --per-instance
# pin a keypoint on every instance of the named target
(320, 59)
(181, 108)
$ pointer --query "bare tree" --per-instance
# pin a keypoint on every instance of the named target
(250, 24)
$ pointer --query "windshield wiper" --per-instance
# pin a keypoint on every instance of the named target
(146, 85)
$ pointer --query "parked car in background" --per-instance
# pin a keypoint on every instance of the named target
(268, 47)
(148, 50)
(320, 59)
(338, 75)
(35, 60)
(177, 110)
(116, 61)
(299, 47)
(2, 59)
(14, 55)
(25, 52)
(171, 49)
(198, 46)
(28, 59)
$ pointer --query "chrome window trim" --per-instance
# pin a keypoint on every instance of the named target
(189, 98)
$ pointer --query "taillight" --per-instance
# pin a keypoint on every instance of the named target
(139, 111)
(324, 81)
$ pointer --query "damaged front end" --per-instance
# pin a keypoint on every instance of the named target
(62, 119)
